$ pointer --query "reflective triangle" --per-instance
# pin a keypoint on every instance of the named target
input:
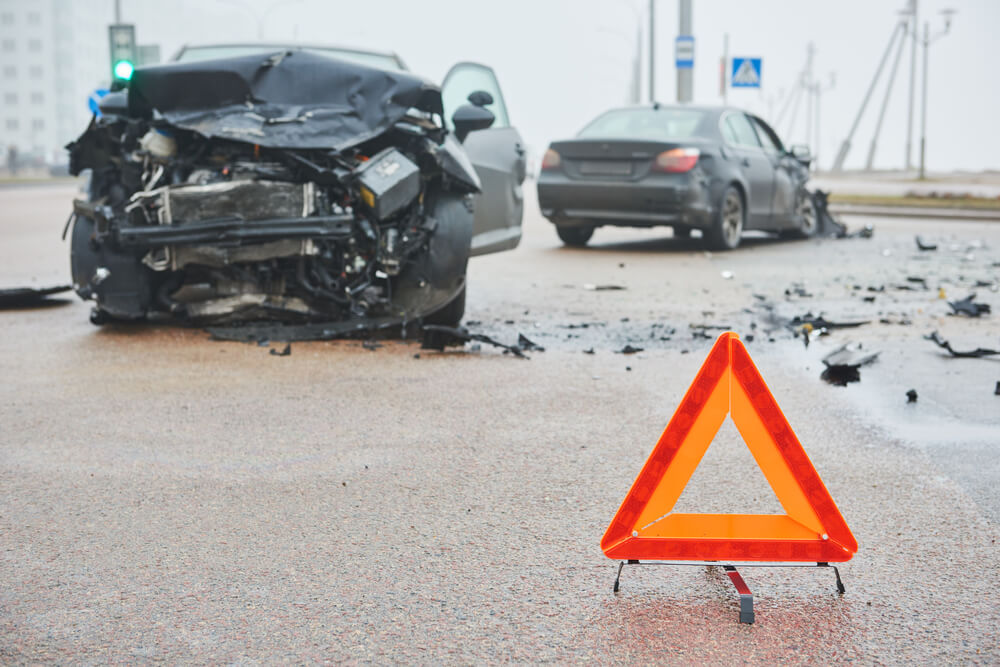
(645, 528)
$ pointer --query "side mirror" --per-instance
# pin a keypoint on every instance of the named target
(480, 98)
(801, 153)
(468, 118)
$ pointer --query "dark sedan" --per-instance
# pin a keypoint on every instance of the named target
(717, 169)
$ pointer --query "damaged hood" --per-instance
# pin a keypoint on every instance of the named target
(290, 99)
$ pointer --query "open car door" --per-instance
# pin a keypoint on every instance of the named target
(498, 156)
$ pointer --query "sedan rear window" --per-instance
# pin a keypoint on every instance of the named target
(655, 124)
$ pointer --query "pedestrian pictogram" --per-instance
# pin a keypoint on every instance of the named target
(746, 73)
(645, 528)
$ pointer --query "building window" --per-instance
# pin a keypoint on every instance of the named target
(37, 98)
(38, 124)
(34, 45)
(9, 72)
(10, 98)
(8, 45)
(35, 71)
(34, 18)
(11, 123)
(6, 18)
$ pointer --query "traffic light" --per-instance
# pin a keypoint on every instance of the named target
(121, 38)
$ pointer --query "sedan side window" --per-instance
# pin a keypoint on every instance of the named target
(741, 131)
(766, 137)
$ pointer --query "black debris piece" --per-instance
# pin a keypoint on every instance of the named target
(253, 332)
(967, 306)
(843, 364)
(603, 288)
(865, 232)
(628, 368)
(706, 327)
(438, 337)
(935, 337)
(629, 349)
(820, 322)
(371, 344)
(868, 299)
(996, 392)
(416, 356)
(918, 280)
(286, 352)
(828, 225)
(589, 350)
(27, 297)
(924, 246)
(527, 344)
(911, 395)
(798, 290)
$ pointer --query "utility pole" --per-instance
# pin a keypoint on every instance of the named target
(807, 83)
(885, 100)
(914, 30)
(838, 164)
(724, 70)
(652, 51)
(685, 75)
(928, 40)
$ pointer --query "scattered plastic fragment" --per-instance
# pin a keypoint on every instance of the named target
(996, 392)
(437, 337)
(26, 297)
(603, 288)
(967, 307)
(972, 354)
(629, 349)
(371, 344)
(843, 364)
(924, 246)
(727, 275)
(286, 352)
(911, 395)
(527, 344)
(823, 323)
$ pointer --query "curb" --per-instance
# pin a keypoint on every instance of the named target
(939, 213)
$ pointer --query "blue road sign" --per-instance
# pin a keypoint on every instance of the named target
(684, 51)
(746, 73)
(94, 101)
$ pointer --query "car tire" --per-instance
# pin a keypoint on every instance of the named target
(451, 314)
(573, 235)
(727, 227)
(806, 218)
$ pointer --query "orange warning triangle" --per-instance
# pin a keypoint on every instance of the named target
(645, 527)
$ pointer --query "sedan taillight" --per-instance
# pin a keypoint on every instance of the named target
(551, 160)
(676, 160)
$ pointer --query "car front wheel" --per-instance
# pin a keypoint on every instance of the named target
(726, 229)
(573, 235)
(806, 218)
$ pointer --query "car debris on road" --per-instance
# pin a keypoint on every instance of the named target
(27, 297)
(977, 353)
(967, 306)
(843, 364)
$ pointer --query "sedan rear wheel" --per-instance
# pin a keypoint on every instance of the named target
(574, 235)
(728, 225)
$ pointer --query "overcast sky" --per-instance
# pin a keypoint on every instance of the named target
(561, 62)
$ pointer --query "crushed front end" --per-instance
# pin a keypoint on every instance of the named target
(228, 192)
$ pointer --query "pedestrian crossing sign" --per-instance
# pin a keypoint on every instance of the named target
(745, 73)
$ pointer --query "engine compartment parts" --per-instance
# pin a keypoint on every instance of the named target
(231, 192)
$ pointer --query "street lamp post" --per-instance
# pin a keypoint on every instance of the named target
(927, 41)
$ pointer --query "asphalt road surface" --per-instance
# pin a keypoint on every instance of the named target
(166, 497)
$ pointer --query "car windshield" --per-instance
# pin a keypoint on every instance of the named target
(658, 124)
(198, 53)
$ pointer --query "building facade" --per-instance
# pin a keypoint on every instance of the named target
(53, 55)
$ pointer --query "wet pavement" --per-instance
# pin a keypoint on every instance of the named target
(165, 497)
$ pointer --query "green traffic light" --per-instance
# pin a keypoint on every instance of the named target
(124, 69)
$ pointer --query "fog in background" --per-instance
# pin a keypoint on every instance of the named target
(562, 62)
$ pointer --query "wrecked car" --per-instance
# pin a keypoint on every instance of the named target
(293, 187)
(716, 169)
